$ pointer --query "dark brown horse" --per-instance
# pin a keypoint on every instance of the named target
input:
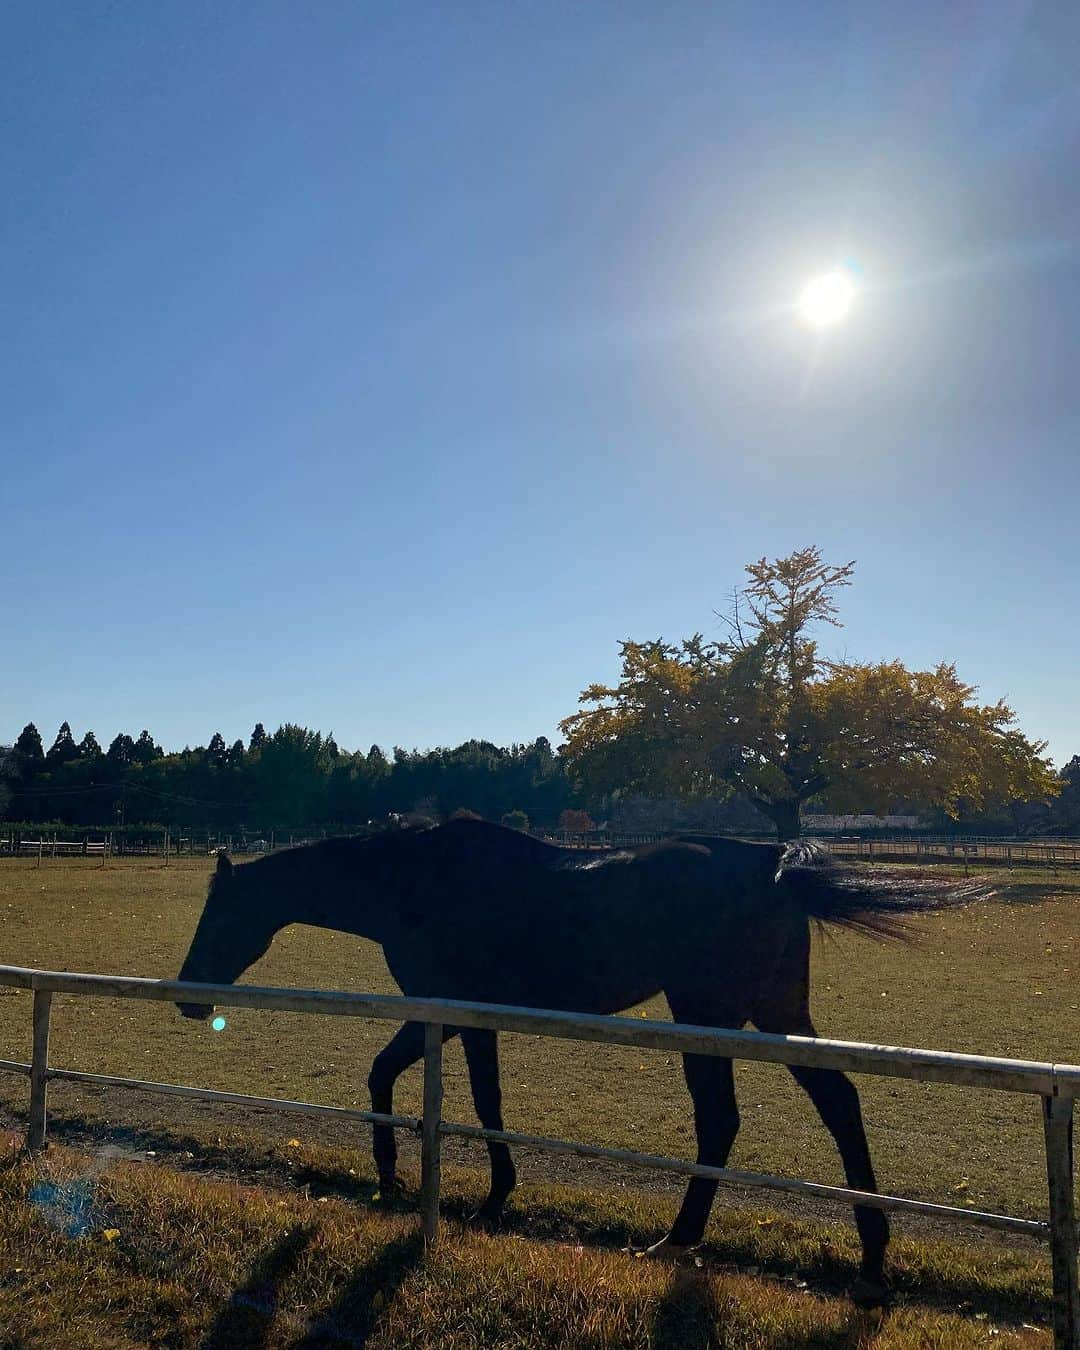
(472, 911)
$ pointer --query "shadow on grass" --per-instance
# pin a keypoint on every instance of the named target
(185, 1153)
(825, 1269)
(693, 1315)
(1035, 892)
(370, 1288)
(688, 1316)
(591, 1223)
(246, 1320)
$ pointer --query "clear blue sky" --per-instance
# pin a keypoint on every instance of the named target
(379, 366)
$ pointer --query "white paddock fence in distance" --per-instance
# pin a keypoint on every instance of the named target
(1056, 1084)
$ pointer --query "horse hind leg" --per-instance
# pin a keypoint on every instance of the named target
(711, 1081)
(482, 1059)
(837, 1103)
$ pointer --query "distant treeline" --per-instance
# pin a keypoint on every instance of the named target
(295, 778)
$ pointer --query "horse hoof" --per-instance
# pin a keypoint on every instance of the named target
(485, 1221)
(870, 1291)
(666, 1250)
(389, 1194)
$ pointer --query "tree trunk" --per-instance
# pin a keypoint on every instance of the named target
(785, 816)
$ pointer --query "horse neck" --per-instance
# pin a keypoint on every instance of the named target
(325, 886)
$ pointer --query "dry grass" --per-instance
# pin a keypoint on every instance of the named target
(996, 978)
(167, 1260)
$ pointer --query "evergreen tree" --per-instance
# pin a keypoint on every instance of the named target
(145, 751)
(29, 750)
(121, 752)
(89, 748)
(217, 751)
(258, 738)
(63, 750)
(1067, 807)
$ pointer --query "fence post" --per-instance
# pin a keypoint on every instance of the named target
(430, 1160)
(39, 1071)
(1058, 1130)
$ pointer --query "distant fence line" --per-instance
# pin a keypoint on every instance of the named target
(162, 843)
(1049, 852)
(904, 847)
(1055, 1084)
(897, 848)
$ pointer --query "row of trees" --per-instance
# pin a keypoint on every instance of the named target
(757, 725)
(294, 777)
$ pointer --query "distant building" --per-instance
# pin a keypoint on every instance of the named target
(852, 824)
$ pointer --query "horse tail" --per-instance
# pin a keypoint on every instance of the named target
(880, 902)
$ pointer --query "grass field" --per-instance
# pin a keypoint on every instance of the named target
(996, 978)
(118, 1255)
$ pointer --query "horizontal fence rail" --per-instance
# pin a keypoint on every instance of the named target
(1056, 1084)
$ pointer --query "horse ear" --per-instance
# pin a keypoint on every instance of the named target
(224, 865)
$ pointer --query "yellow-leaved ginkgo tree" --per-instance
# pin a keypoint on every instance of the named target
(762, 713)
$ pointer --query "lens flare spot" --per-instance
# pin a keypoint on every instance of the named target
(218, 1024)
(66, 1206)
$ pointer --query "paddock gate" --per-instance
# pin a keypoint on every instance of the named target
(1057, 1085)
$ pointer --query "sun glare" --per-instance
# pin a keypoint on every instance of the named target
(827, 299)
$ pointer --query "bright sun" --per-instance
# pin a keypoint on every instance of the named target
(827, 299)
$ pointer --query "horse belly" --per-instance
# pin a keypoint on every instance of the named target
(580, 977)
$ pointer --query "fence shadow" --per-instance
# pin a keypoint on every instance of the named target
(186, 1153)
(247, 1319)
(370, 1288)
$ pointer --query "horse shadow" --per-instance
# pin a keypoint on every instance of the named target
(828, 1272)
(1035, 892)
(693, 1313)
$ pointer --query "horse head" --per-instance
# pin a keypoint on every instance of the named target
(234, 930)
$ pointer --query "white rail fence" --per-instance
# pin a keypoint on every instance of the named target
(1056, 1084)
(1053, 853)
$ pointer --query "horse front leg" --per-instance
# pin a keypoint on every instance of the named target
(482, 1058)
(404, 1050)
